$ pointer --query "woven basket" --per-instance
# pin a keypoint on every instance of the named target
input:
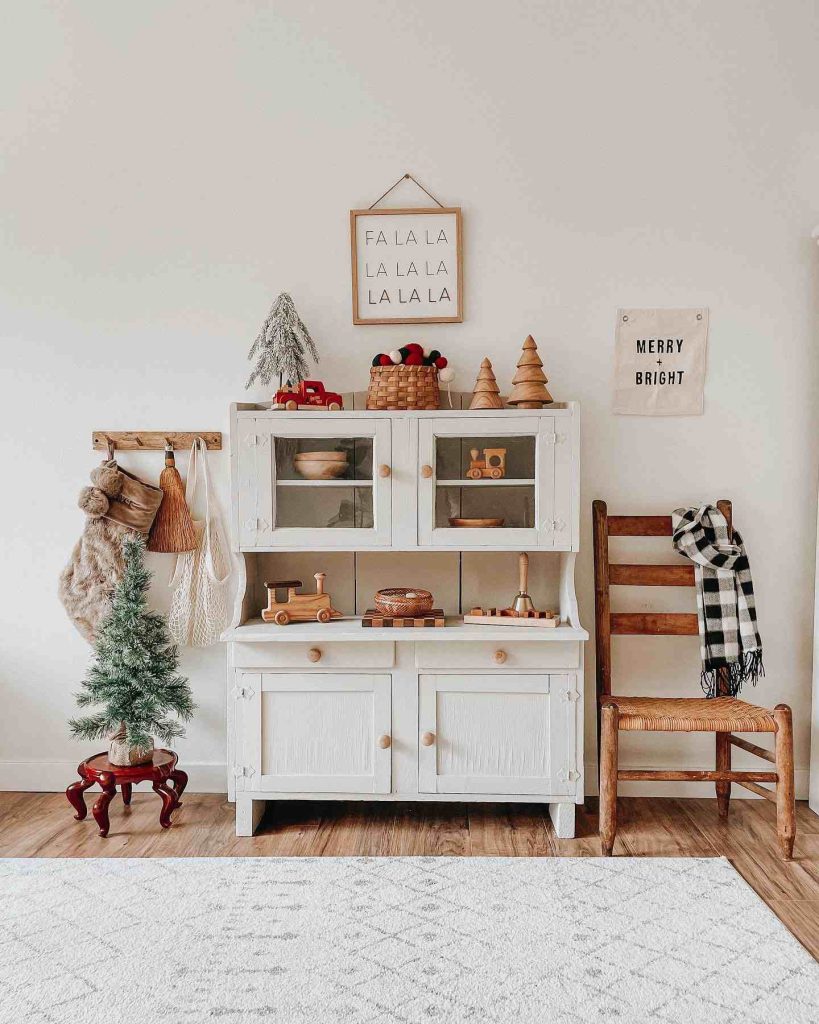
(403, 387)
(401, 601)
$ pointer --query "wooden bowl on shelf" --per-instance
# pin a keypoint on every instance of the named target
(320, 456)
(476, 524)
(320, 469)
(403, 601)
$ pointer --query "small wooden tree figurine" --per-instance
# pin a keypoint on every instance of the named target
(529, 383)
(486, 393)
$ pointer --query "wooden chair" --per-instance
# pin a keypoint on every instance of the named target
(721, 715)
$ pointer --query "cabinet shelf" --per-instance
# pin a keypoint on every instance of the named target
(350, 628)
(324, 483)
(503, 482)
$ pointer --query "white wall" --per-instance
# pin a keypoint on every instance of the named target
(169, 167)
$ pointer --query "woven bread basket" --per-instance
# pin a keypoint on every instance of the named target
(403, 387)
(402, 601)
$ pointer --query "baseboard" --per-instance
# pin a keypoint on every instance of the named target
(207, 777)
(689, 789)
(54, 776)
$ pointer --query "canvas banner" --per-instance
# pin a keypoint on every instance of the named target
(659, 362)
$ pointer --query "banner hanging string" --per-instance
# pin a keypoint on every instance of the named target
(404, 178)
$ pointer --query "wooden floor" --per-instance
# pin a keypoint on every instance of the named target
(41, 825)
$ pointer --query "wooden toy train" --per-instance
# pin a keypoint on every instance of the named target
(298, 607)
(492, 465)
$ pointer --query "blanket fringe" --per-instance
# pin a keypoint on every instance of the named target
(748, 669)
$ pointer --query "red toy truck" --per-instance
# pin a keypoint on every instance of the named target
(310, 394)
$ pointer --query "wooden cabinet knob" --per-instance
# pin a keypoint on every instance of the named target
(314, 654)
(384, 471)
(426, 472)
(500, 657)
(385, 742)
(428, 738)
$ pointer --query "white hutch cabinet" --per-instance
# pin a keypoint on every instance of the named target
(465, 712)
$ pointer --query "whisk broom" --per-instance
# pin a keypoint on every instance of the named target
(172, 530)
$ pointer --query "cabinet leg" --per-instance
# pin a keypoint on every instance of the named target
(562, 816)
(248, 814)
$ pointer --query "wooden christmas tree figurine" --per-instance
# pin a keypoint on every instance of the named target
(529, 383)
(486, 393)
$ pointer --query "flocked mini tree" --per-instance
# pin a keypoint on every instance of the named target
(133, 677)
(282, 346)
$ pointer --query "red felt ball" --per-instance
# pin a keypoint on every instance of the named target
(414, 359)
(413, 346)
(385, 360)
(441, 362)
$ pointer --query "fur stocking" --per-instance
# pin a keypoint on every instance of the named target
(87, 582)
(96, 563)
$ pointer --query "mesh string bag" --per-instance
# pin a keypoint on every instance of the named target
(199, 606)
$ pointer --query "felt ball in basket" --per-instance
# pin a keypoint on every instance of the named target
(407, 378)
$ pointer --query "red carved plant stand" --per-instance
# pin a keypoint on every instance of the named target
(167, 780)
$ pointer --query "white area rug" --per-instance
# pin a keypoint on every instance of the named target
(386, 940)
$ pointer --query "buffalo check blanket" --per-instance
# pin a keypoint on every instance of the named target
(730, 644)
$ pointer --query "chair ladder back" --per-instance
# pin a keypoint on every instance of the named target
(607, 574)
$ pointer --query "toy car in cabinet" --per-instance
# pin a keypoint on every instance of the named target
(298, 607)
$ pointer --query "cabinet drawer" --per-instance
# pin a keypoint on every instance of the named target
(500, 655)
(286, 655)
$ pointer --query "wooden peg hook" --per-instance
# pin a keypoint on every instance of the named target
(153, 440)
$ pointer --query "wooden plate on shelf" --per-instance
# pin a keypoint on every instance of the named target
(476, 524)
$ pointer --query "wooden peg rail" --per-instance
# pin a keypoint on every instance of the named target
(153, 440)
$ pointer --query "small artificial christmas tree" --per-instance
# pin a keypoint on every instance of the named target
(134, 673)
(282, 345)
(486, 393)
(529, 383)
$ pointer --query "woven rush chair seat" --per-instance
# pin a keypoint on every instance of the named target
(690, 714)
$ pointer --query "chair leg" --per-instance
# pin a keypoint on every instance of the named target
(785, 798)
(723, 765)
(609, 739)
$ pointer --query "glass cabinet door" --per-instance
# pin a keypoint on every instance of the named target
(315, 485)
(487, 484)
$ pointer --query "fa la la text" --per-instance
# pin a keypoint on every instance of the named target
(430, 269)
(407, 237)
(373, 299)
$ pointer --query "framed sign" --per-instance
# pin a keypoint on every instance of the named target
(407, 266)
